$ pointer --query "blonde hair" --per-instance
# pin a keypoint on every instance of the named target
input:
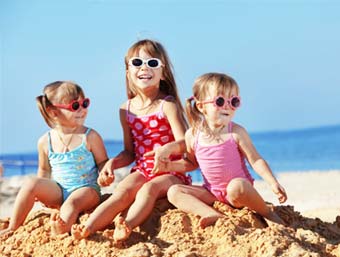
(168, 85)
(58, 92)
(223, 84)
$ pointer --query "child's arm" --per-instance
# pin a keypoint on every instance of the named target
(189, 162)
(162, 154)
(125, 157)
(257, 162)
(163, 162)
(175, 119)
(96, 146)
(44, 168)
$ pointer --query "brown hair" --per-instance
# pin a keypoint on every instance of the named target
(61, 92)
(223, 84)
(168, 85)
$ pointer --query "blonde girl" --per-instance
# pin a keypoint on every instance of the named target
(70, 156)
(220, 146)
(151, 117)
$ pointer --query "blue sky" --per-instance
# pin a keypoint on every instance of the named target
(285, 55)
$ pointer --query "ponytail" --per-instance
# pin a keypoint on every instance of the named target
(193, 114)
(43, 104)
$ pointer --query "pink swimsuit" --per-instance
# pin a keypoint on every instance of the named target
(220, 164)
(149, 132)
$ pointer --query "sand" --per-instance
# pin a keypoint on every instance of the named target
(312, 214)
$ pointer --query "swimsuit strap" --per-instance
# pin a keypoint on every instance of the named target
(128, 108)
(86, 133)
(196, 139)
(49, 141)
(161, 107)
(230, 130)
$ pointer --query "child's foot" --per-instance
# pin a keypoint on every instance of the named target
(122, 230)
(209, 220)
(6, 233)
(58, 226)
(79, 231)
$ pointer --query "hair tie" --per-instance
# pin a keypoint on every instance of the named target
(191, 98)
(46, 102)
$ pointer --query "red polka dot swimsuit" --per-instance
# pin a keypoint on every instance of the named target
(150, 132)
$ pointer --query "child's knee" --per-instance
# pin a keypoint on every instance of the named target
(237, 190)
(123, 194)
(173, 193)
(149, 189)
(30, 184)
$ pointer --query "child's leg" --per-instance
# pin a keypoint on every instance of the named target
(196, 200)
(104, 214)
(240, 193)
(80, 200)
(42, 189)
(144, 203)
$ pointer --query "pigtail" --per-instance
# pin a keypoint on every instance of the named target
(43, 104)
(193, 114)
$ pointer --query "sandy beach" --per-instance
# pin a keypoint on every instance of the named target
(313, 193)
(313, 228)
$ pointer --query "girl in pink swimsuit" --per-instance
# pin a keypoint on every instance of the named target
(153, 116)
(220, 147)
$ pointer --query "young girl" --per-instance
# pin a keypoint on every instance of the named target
(152, 117)
(70, 155)
(219, 146)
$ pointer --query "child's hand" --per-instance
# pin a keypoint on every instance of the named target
(280, 192)
(161, 164)
(161, 159)
(105, 178)
(106, 175)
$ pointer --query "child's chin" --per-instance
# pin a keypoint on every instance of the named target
(225, 118)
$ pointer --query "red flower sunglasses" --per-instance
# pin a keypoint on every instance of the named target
(74, 105)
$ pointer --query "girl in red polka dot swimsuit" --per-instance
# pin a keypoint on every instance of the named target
(153, 116)
(150, 132)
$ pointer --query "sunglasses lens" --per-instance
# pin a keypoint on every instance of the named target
(75, 106)
(219, 101)
(153, 63)
(235, 102)
(86, 103)
(137, 62)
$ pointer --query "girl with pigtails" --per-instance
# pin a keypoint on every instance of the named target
(70, 157)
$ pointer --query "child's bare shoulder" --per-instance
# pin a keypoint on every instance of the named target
(43, 142)
(239, 132)
(237, 128)
(169, 104)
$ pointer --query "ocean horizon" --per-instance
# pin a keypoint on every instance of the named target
(285, 151)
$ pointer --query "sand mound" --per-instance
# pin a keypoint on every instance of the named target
(170, 232)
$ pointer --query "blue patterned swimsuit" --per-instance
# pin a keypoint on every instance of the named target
(74, 169)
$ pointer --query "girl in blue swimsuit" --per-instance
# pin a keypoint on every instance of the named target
(70, 156)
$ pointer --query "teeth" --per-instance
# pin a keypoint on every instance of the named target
(144, 77)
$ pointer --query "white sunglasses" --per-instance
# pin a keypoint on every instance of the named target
(153, 63)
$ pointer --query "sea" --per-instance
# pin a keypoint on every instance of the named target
(285, 151)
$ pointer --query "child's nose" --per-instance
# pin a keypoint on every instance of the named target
(226, 106)
(81, 108)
